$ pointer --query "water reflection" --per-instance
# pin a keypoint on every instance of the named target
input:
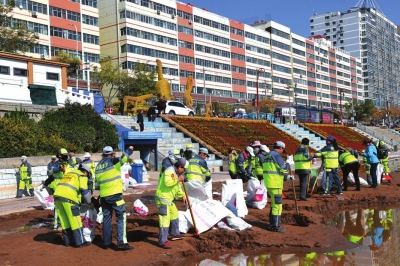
(375, 231)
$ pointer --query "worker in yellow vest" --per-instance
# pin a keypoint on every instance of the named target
(274, 172)
(25, 177)
(349, 163)
(354, 232)
(330, 153)
(302, 165)
(68, 195)
(167, 190)
(108, 177)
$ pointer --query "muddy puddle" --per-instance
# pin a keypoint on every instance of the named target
(373, 239)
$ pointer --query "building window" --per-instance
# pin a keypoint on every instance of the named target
(20, 72)
(4, 70)
(52, 76)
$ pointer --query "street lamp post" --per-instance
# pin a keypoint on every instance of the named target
(258, 73)
(295, 100)
(289, 87)
(77, 53)
(387, 109)
(341, 111)
(87, 68)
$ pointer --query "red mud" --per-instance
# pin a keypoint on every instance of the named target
(23, 245)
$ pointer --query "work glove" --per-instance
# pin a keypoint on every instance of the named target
(260, 177)
(208, 178)
(291, 177)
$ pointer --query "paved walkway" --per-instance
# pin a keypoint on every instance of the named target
(29, 203)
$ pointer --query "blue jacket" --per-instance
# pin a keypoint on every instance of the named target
(371, 154)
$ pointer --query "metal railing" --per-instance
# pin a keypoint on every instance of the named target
(375, 134)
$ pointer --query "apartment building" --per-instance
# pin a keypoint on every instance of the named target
(61, 25)
(366, 33)
(226, 58)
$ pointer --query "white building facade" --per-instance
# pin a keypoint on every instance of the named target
(226, 58)
(367, 34)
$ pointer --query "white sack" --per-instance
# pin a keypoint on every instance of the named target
(196, 192)
(261, 197)
(44, 198)
(237, 223)
(363, 182)
(232, 192)
(140, 208)
(88, 217)
(99, 218)
(184, 224)
(208, 188)
(206, 214)
(252, 186)
(379, 172)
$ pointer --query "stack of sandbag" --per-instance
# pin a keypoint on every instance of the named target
(210, 213)
(257, 196)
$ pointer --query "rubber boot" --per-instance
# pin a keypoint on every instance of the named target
(277, 227)
(20, 192)
(31, 192)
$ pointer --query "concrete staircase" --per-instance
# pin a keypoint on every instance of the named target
(379, 133)
(171, 139)
(299, 133)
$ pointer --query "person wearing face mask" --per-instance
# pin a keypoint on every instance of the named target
(243, 164)
(302, 165)
(198, 168)
(25, 177)
(169, 161)
(254, 159)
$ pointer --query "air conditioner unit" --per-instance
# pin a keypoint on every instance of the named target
(43, 56)
(36, 34)
(190, 21)
(34, 14)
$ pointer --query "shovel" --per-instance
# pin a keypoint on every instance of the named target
(300, 219)
(196, 232)
(315, 181)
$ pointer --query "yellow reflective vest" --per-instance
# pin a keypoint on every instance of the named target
(273, 173)
(346, 158)
(70, 186)
(301, 162)
(168, 187)
(331, 157)
(108, 176)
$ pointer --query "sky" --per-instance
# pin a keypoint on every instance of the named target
(294, 14)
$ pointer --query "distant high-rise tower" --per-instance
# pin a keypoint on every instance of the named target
(366, 33)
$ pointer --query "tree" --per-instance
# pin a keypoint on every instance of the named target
(364, 110)
(14, 34)
(141, 81)
(109, 77)
(73, 61)
(81, 127)
(267, 105)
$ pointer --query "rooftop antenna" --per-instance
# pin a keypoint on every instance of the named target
(369, 4)
(315, 13)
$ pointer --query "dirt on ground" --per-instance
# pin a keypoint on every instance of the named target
(24, 242)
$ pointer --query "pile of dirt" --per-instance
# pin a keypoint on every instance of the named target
(25, 239)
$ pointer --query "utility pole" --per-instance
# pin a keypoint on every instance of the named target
(205, 91)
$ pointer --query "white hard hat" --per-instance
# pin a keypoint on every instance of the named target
(264, 148)
(108, 150)
(86, 155)
(250, 150)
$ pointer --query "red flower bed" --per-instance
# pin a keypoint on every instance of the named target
(223, 133)
(345, 136)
